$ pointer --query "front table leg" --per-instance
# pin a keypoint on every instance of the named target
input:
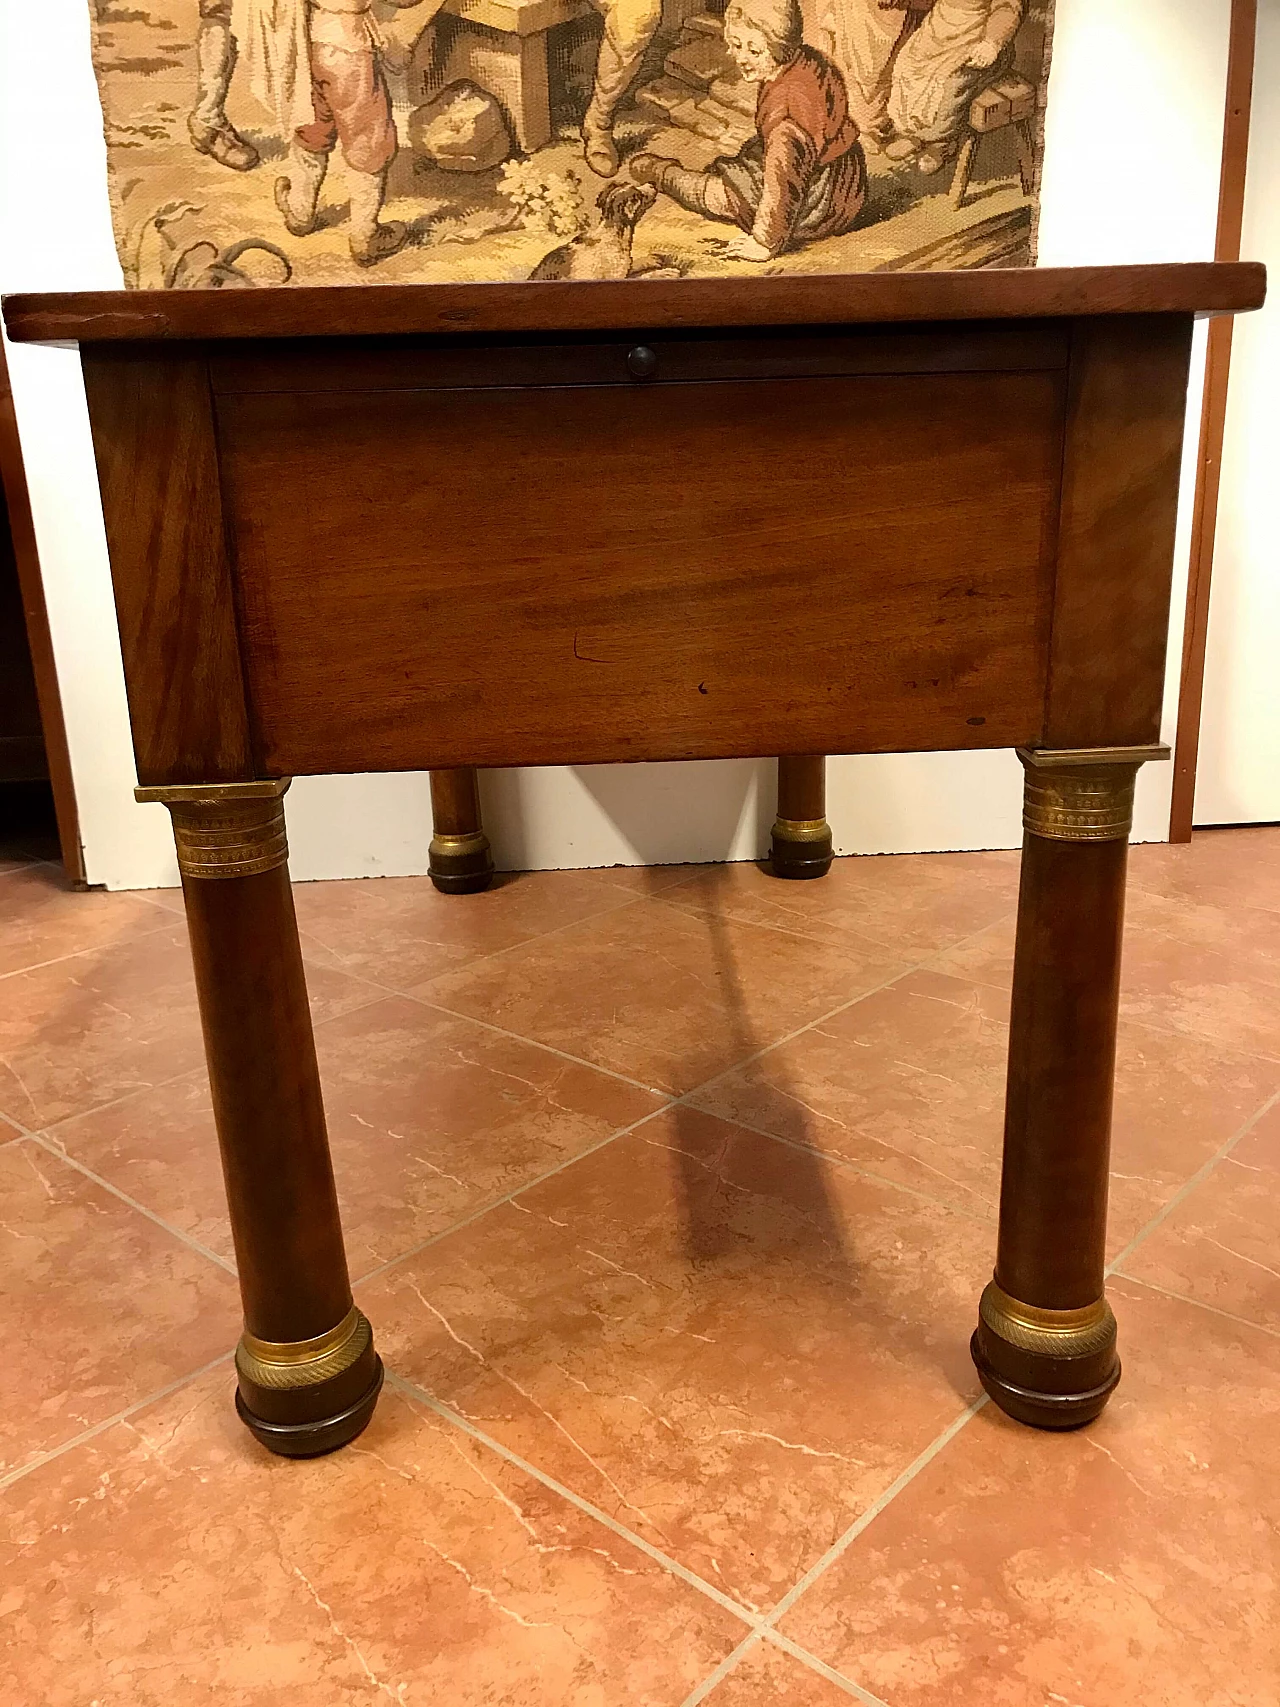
(308, 1374)
(1045, 1345)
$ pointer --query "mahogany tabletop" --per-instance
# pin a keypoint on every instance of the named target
(1201, 288)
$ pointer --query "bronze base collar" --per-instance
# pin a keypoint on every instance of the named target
(460, 864)
(304, 1397)
(1049, 1368)
(800, 847)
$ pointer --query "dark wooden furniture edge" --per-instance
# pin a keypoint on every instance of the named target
(440, 309)
(26, 555)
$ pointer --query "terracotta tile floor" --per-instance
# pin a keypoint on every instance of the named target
(670, 1195)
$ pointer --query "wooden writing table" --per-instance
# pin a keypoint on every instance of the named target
(414, 528)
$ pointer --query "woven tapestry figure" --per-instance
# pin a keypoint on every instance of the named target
(256, 143)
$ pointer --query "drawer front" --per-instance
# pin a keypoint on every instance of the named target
(743, 556)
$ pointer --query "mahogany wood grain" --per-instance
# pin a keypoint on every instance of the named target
(802, 787)
(1122, 457)
(1062, 1042)
(153, 435)
(267, 1106)
(455, 802)
(826, 299)
(869, 567)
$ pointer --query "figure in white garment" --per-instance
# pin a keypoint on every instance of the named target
(958, 49)
(863, 38)
(629, 27)
(212, 132)
(317, 65)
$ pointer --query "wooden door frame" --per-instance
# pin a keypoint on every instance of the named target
(14, 479)
(1213, 419)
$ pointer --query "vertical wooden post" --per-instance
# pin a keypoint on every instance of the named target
(1045, 1345)
(1241, 54)
(459, 861)
(308, 1373)
(801, 840)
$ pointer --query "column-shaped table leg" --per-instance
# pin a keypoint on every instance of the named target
(458, 861)
(801, 840)
(1045, 1345)
(308, 1373)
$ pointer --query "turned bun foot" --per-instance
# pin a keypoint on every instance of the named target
(459, 861)
(800, 847)
(307, 1397)
(460, 865)
(1048, 1368)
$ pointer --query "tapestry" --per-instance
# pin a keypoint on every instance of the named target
(316, 142)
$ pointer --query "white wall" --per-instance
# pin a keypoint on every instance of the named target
(1238, 780)
(1130, 174)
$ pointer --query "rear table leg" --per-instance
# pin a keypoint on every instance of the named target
(459, 861)
(801, 842)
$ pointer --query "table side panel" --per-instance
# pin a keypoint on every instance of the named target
(595, 573)
(153, 436)
(1126, 419)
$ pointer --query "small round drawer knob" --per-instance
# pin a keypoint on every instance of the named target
(642, 362)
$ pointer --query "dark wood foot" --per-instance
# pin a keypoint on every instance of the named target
(459, 861)
(308, 1373)
(1045, 1345)
(307, 1398)
(801, 841)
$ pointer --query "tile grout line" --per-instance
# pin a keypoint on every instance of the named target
(51, 1149)
(729, 1663)
(427, 1001)
(81, 953)
(546, 1048)
(855, 1529)
(805, 1582)
(447, 1414)
(1188, 1186)
(507, 1197)
(1216, 1043)
(115, 1102)
(776, 1639)
(682, 1101)
(846, 1166)
(629, 900)
(1198, 1304)
(758, 1623)
(110, 1422)
(387, 992)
